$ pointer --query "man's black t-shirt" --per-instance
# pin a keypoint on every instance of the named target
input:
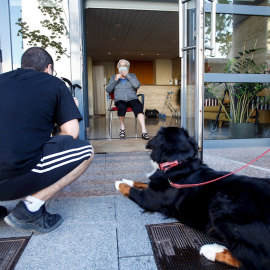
(30, 103)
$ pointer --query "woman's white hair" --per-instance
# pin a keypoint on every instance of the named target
(123, 60)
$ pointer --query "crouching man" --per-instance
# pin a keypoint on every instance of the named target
(33, 165)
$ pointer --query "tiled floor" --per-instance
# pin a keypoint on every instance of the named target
(99, 128)
(99, 178)
(103, 230)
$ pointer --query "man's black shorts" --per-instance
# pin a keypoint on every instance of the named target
(122, 106)
(60, 155)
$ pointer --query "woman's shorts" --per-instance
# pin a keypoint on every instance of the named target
(122, 106)
(60, 155)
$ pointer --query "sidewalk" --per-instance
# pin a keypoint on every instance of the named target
(101, 228)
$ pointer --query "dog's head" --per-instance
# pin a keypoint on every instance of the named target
(171, 144)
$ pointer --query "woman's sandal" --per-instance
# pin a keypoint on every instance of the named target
(145, 136)
(122, 133)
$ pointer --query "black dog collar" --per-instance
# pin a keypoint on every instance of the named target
(167, 165)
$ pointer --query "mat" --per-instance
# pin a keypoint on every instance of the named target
(176, 246)
(11, 250)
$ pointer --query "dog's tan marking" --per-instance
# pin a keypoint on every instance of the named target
(227, 257)
(139, 185)
(124, 188)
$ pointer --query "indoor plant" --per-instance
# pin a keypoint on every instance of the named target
(242, 95)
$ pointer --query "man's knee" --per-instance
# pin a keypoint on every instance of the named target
(90, 159)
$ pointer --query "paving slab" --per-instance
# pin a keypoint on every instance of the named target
(137, 263)
(72, 246)
(103, 229)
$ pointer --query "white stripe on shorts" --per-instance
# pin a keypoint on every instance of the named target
(60, 164)
(62, 158)
(66, 151)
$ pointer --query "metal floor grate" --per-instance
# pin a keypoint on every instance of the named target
(176, 246)
(11, 250)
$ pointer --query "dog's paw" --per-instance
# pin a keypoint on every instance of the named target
(117, 183)
(210, 251)
(128, 182)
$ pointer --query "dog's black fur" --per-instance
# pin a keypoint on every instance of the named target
(236, 208)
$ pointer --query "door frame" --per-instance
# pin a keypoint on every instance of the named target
(6, 63)
(200, 76)
(78, 66)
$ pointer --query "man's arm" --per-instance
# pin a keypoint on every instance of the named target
(71, 128)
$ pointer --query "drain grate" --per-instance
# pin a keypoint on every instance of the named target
(11, 250)
(176, 246)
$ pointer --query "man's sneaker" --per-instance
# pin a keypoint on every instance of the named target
(3, 212)
(39, 222)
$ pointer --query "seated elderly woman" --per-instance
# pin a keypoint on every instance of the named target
(124, 85)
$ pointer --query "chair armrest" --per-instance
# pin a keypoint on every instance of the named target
(109, 102)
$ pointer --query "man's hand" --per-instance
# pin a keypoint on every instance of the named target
(71, 128)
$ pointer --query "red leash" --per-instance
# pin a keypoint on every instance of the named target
(178, 186)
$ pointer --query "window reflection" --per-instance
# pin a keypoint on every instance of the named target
(245, 2)
(234, 35)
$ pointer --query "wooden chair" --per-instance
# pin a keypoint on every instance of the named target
(112, 109)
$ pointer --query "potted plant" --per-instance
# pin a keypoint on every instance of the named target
(242, 96)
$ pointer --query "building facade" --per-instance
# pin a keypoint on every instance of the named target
(172, 46)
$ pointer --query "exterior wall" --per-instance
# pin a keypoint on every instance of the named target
(253, 31)
(216, 65)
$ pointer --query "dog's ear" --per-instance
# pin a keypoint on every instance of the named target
(191, 140)
(172, 143)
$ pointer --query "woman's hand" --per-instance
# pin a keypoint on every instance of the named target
(117, 76)
(124, 73)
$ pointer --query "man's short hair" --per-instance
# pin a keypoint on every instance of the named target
(36, 58)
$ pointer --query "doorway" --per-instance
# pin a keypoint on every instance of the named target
(147, 36)
(150, 32)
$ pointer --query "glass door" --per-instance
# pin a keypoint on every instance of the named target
(5, 38)
(225, 68)
(238, 71)
(191, 48)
